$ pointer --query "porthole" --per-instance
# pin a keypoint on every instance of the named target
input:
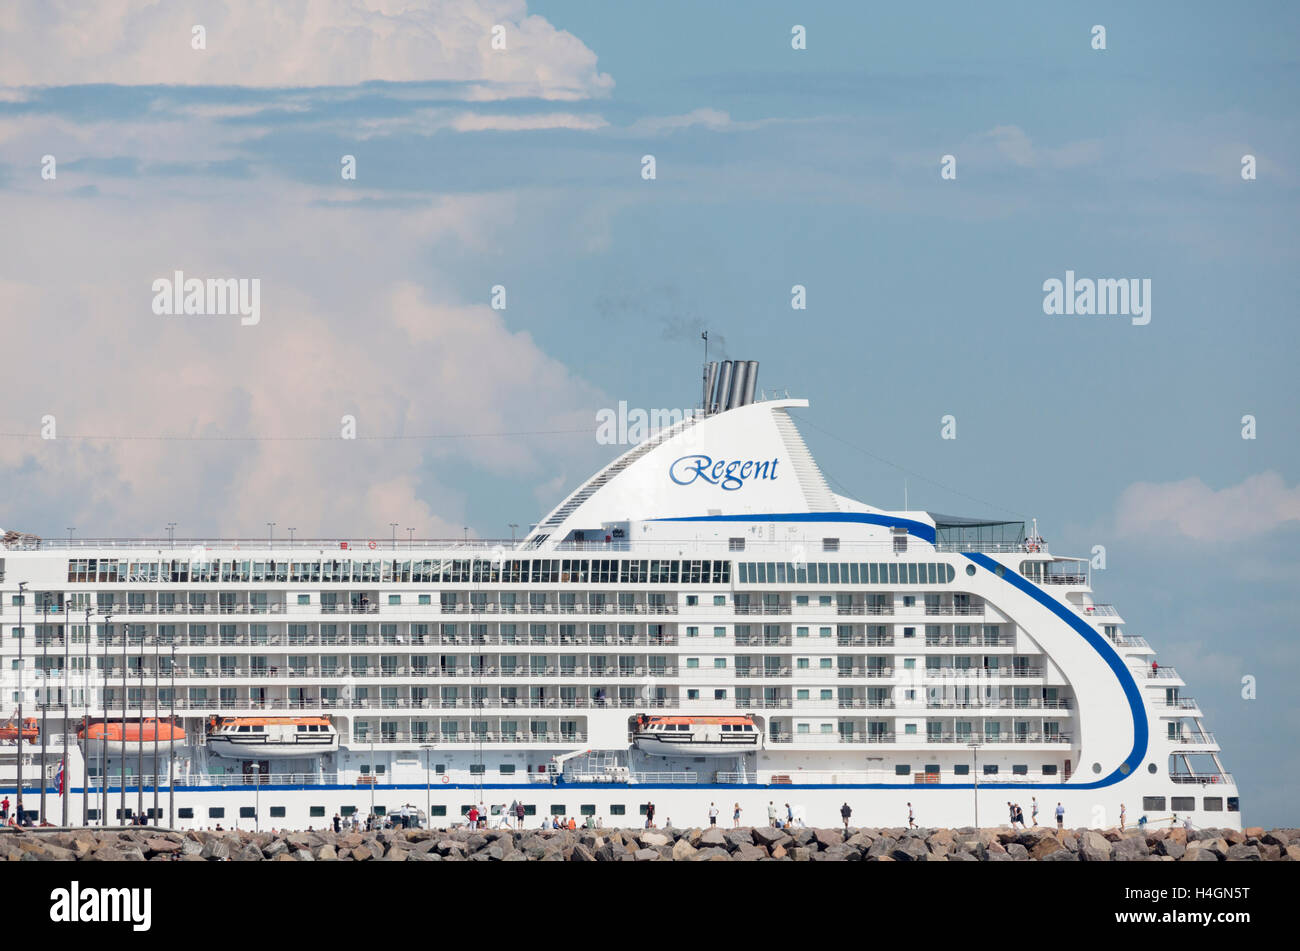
(970, 569)
(1125, 769)
(1151, 768)
(1001, 571)
(1096, 767)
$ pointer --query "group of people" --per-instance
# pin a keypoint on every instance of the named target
(735, 815)
(1017, 815)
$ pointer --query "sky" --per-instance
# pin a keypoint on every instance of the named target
(522, 168)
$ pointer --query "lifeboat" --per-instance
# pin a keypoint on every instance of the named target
(126, 739)
(697, 736)
(272, 737)
(10, 731)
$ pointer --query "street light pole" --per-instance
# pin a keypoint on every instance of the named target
(428, 794)
(257, 793)
(45, 689)
(393, 525)
(171, 534)
(103, 733)
(22, 597)
(155, 728)
(975, 756)
(122, 770)
(85, 730)
(66, 682)
(171, 743)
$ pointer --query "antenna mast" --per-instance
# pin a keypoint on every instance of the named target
(704, 382)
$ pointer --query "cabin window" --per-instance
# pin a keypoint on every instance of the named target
(246, 812)
(726, 728)
(317, 812)
(558, 810)
(347, 810)
(1153, 803)
(617, 810)
(902, 770)
(961, 769)
(184, 812)
(1021, 770)
(477, 769)
(277, 812)
(1182, 803)
(302, 728)
(1213, 803)
(245, 729)
(304, 599)
(1049, 770)
(216, 812)
(991, 770)
(506, 769)
(438, 811)
(719, 695)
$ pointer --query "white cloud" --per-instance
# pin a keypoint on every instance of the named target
(1012, 142)
(1191, 509)
(295, 43)
(713, 119)
(343, 331)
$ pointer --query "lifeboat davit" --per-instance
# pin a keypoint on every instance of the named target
(697, 736)
(126, 739)
(272, 737)
(9, 730)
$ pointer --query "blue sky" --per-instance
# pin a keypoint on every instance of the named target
(775, 167)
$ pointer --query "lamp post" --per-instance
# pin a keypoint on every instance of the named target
(66, 683)
(428, 787)
(139, 739)
(171, 742)
(85, 730)
(393, 526)
(257, 792)
(122, 770)
(374, 777)
(45, 690)
(171, 534)
(22, 597)
(103, 733)
(975, 767)
(155, 728)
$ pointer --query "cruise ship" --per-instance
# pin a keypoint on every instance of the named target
(703, 620)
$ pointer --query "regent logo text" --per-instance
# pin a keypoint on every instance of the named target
(730, 475)
(1104, 297)
(178, 296)
(104, 905)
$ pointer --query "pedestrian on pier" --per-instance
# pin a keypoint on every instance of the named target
(845, 814)
(1060, 817)
(735, 817)
(911, 817)
(1033, 810)
(713, 814)
(771, 814)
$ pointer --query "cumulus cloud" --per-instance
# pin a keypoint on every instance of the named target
(1191, 509)
(343, 331)
(295, 43)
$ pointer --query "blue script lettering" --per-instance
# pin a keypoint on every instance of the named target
(729, 475)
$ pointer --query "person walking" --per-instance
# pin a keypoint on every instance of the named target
(1122, 815)
(337, 822)
(911, 817)
(1012, 810)
(789, 816)
(845, 814)
(1020, 817)
(1033, 810)
(1060, 817)
(713, 814)
(519, 814)
(771, 814)
(735, 817)
(4, 808)
(650, 815)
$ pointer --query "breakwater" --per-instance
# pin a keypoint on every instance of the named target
(655, 845)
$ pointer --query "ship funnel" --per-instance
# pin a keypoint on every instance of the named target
(751, 381)
(723, 388)
(736, 392)
(710, 375)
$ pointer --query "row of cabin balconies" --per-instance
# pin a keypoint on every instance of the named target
(922, 739)
(365, 606)
(920, 675)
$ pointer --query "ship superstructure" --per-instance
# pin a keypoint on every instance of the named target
(703, 619)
